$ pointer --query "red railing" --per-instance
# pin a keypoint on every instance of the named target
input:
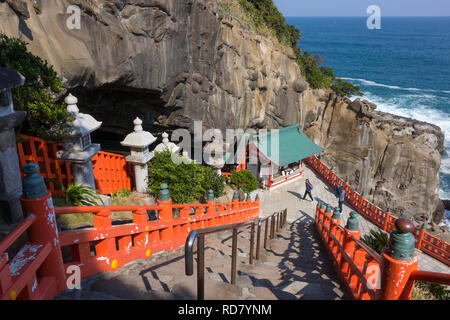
(106, 248)
(111, 171)
(424, 276)
(357, 265)
(38, 270)
(20, 277)
(424, 241)
(36, 150)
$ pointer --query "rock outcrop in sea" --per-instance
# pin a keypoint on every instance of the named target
(172, 62)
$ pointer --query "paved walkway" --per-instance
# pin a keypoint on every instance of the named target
(290, 196)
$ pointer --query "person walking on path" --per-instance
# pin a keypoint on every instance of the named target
(309, 188)
(341, 198)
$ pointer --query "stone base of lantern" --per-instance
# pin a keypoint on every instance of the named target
(141, 174)
(81, 163)
(10, 180)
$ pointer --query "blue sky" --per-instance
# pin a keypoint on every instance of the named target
(359, 7)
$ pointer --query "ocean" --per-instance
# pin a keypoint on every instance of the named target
(404, 67)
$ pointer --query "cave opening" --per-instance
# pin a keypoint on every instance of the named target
(117, 107)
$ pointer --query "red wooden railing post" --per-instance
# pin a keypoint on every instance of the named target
(335, 222)
(236, 216)
(386, 220)
(105, 249)
(141, 240)
(398, 261)
(165, 215)
(211, 209)
(423, 230)
(249, 212)
(37, 200)
(361, 201)
(257, 205)
(327, 222)
(351, 233)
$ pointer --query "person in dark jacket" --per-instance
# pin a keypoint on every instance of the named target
(341, 197)
(309, 188)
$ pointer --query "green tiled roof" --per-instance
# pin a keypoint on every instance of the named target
(287, 145)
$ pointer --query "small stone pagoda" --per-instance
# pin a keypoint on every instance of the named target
(166, 145)
(78, 147)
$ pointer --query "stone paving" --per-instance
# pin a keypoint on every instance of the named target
(294, 266)
(290, 196)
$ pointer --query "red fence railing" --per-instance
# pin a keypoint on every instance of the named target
(429, 244)
(111, 171)
(356, 264)
(33, 273)
(106, 248)
(20, 277)
(32, 149)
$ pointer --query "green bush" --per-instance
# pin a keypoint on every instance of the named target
(187, 182)
(46, 118)
(123, 193)
(78, 195)
(244, 180)
(377, 240)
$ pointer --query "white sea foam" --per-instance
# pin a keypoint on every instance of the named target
(376, 84)
(407, 106)
(446, 220)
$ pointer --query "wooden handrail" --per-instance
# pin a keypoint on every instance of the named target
(7, 241)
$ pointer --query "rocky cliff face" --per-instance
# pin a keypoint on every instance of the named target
(171, 62)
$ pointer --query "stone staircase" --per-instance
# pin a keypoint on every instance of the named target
(294, 266)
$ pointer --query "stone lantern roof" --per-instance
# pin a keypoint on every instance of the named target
(10, 79)
(84, 123)
(167, 145)
(139, 138)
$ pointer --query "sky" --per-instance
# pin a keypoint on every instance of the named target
(349, 8)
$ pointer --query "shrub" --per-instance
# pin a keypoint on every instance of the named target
(78, 195)
(244, 180)
(123, 193)
(377, 240)
(46, 118)
(187, 182)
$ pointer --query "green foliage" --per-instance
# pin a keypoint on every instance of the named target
(121, 194)
(377, 240)
(312, 73)
(187, 182)
(78, 195)
(264, 12)
(430, 291)
(244, 180)
(46, 118)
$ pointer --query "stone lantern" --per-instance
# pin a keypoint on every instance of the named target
(10, 180)
(138, 141)
(166, 145)
(211, 152)
(78, 148)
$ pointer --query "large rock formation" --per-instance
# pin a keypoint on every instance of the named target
(171, 62)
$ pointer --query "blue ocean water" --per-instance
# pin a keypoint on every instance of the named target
(404, 67)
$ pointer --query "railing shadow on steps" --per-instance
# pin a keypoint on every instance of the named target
(275, 222)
